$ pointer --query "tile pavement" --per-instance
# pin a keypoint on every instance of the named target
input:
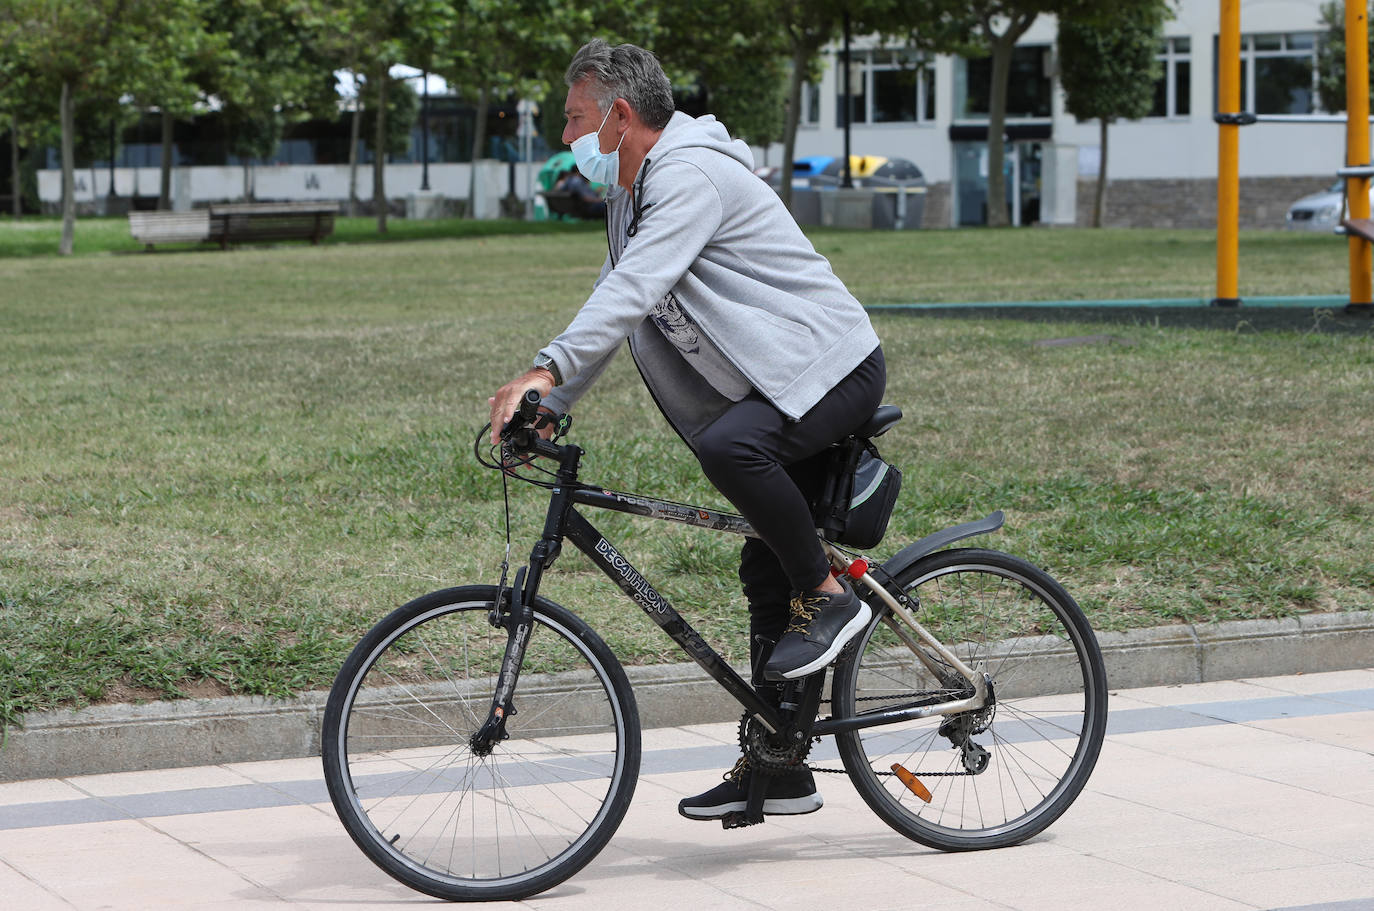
(1245, 794)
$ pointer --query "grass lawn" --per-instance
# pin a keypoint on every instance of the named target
(218, 469)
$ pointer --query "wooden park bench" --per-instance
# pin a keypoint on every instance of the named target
(235, 222)
(149, 228)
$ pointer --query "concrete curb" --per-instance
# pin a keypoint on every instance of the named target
(122, 738)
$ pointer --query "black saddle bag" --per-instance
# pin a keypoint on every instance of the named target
(859, 495)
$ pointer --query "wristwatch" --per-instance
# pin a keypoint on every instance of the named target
(543, 360)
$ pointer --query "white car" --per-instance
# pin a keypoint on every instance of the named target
(1322, 211)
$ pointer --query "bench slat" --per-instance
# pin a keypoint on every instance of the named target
(169, 227)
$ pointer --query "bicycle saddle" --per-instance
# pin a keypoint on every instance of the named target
(880, 423)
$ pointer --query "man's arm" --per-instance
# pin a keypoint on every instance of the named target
(682, 213)
(681, 216)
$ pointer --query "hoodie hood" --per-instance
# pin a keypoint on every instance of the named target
(704, 132)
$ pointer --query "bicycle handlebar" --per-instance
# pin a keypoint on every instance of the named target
(520, 432)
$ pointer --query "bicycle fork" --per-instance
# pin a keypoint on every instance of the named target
(518, 619)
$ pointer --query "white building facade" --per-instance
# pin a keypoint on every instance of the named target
(1162, 169)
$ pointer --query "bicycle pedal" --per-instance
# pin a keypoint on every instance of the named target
(738, 820)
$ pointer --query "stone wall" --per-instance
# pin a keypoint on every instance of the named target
(936, 213)
(1193, 203)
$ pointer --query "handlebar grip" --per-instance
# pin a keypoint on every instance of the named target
(529, 406)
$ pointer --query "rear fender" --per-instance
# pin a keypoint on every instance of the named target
(904, 558)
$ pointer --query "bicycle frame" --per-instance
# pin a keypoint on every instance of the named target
(564, 521)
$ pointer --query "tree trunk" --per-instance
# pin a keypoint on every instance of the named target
(16, 190)
(1101, 179)
(353, 136)
(68, 118)
(997, 119)
(379, 157)
(479, 141)
(248, 179)
(1002, 47)
(800, 56)
(164, 196)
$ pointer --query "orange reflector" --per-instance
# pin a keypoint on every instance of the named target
(913, 784)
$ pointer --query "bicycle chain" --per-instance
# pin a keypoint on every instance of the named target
(879, 772)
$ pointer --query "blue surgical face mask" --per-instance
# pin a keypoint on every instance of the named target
(594, 164)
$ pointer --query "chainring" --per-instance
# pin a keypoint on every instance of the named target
(770, 753)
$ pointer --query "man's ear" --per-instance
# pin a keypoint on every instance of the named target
(624, 113)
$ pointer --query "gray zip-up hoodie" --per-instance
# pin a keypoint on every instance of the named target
(701, 225)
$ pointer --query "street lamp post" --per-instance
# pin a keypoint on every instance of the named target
(113, 140)
(847, 182)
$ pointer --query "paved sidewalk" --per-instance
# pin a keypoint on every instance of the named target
(1252, 794)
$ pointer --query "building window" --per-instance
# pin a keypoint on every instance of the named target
(887, 87)
(1278, 73)
(810, 114)
(1028, 88)
(1173, 88)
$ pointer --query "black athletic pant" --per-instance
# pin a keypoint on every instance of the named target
(769, 468)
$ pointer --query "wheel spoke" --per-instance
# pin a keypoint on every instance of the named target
(1014, 765)
(496, 825)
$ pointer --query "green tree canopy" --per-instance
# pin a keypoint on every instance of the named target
(1331, 58)
(102, 50)
(809, 25)
(1108, 71)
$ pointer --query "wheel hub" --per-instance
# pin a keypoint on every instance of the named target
(960, 729)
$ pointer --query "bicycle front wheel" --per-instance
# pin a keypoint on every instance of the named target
(1001, 774)
(461, 824)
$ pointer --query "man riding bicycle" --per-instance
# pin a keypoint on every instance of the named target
(753, 349)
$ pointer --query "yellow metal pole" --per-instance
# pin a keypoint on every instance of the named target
(1228, 156)
(1357, 146)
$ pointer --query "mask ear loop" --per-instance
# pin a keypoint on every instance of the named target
(603, 126)
(621, 136)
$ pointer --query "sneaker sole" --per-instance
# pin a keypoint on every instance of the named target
(848, 632)
(773, 806)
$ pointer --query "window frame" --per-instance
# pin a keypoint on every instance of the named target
(1170, 55)
(901, 59)
(961, 81)
(1249, 54)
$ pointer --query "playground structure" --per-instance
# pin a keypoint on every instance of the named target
(1359, 227)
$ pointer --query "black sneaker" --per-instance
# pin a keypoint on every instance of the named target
(822, 624)
(790, 794)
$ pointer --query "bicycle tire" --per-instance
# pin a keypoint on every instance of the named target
(445, 821)
(1037, 745)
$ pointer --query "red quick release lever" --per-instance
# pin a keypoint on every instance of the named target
(855, 570)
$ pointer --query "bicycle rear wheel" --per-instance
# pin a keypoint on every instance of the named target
(454, 823)
(999, 775)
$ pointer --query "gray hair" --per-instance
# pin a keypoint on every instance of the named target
(627, 72)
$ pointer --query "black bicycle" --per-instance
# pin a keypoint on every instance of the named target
(483, 743)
